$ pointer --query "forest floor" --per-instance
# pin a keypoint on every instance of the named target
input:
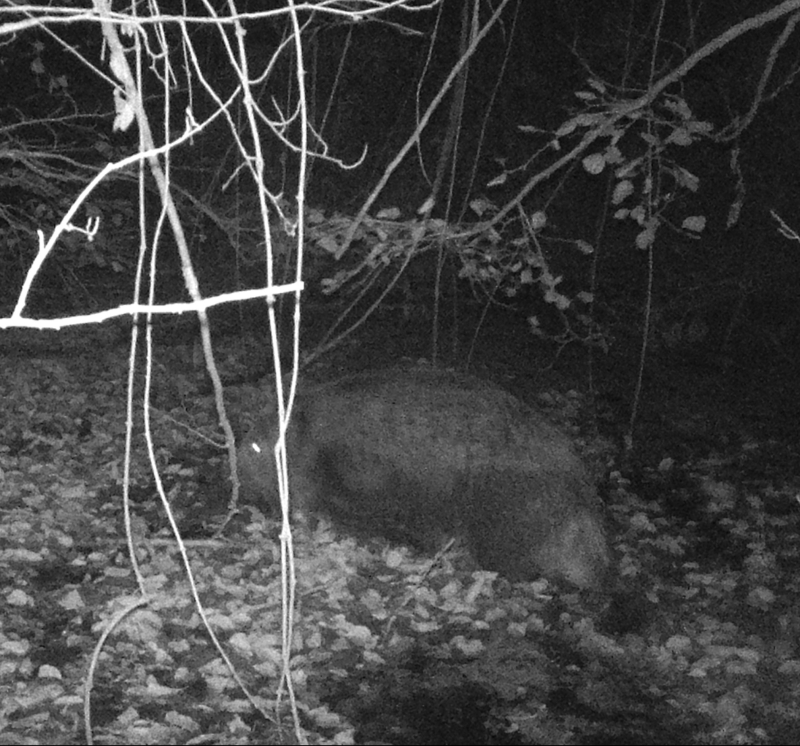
(698, 644)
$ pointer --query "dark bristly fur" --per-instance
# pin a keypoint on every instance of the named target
(417, 454)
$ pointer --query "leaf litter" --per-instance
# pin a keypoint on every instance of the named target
(698, 643)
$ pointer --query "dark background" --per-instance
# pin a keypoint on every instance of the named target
(723, 302)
